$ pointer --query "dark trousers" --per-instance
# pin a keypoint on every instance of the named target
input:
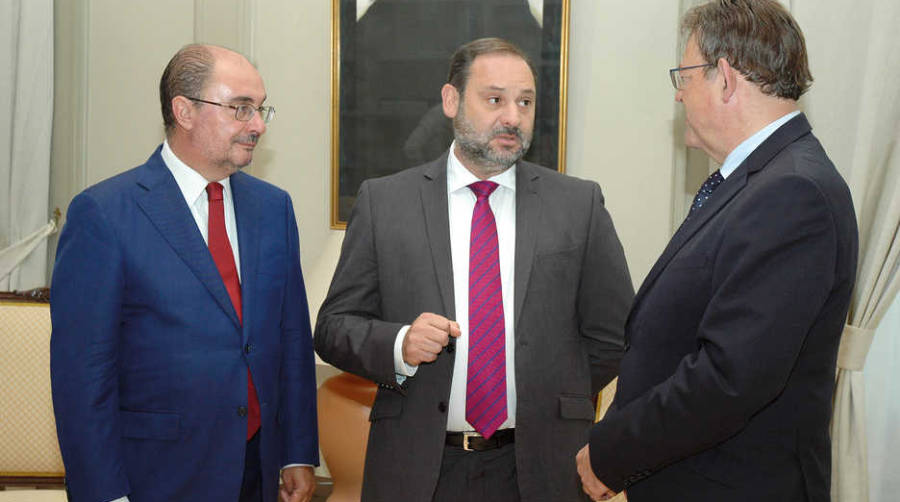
(474, 476)
(251, 486)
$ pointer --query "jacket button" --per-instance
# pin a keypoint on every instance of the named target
(242, 411)
(442, 407)
(248, 348)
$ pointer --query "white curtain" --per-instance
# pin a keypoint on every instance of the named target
(883, 408)
(26, 117)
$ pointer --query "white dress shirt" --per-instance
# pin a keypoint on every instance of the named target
(461, 205)
(193, 187)
(739, 154)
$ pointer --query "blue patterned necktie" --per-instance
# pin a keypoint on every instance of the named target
(715, 179)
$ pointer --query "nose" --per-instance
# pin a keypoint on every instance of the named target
(510, 115)
(678, 95)
(256, 124)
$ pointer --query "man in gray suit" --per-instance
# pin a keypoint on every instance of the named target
(486, 296)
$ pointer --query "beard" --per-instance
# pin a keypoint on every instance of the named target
(476, 146)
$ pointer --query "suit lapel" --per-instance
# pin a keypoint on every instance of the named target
(528, 205)
(163, 203)
(433, 193)
(247, 215)
(757, 160)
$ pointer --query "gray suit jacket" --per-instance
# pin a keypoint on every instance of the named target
(572, 294)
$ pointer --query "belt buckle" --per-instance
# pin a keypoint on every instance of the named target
(466, 436)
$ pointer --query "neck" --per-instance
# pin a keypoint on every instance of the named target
(754, 118)
(183, 149)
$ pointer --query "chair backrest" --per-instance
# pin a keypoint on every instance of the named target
(29, 451)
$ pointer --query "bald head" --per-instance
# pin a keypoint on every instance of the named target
(188, 73)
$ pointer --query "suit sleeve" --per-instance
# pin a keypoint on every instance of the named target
(299, 422)
(349, 331)
(86, 293)
(604, 296)
(771, 276)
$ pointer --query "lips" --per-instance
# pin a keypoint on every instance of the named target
(507, 138)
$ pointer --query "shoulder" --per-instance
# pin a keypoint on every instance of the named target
(120, 187)
(408, 178)
(552, 182)
(803, 166)
(258, 187)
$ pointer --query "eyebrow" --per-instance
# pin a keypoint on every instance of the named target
(245, 99)
(501, 89)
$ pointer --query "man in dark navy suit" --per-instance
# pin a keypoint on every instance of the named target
(725, 389)
(181, 355)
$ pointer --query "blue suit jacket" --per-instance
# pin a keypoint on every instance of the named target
(148, 358)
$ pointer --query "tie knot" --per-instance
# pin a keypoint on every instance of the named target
(706, 190)
(214, 191)
(714, 180)
(483, 189)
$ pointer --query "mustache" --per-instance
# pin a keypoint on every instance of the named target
(248, 139)
(515, 131)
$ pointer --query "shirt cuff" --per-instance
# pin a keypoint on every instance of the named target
(298, 465)
(120, 499)
(402, 370)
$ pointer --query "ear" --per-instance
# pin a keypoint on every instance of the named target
(450, 98)
(729, 77)
(183, 110)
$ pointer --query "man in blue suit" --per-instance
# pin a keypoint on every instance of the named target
(181, 358)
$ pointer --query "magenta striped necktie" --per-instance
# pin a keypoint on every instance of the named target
(486, 381)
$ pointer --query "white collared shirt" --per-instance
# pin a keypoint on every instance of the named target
(739, 154)
(461, 205)
(193, 187)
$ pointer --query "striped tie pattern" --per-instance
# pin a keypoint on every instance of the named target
(486, 377)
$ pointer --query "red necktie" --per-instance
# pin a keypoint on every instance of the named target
(486, 377)
(221, 252)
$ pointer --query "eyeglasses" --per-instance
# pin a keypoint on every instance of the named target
(243, 112)
(677, 79)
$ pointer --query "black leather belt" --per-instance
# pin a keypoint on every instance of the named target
(473, 441)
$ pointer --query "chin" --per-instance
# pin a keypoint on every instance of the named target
(242, 162)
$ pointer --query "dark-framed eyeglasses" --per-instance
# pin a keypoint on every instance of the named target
(678, 80)
(243, 112)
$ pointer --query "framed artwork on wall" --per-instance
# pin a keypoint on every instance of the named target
(389, 61)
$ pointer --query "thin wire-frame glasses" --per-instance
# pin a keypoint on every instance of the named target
(243, 112)
(675, 74)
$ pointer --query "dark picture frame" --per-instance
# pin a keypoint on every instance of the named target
(389, 61)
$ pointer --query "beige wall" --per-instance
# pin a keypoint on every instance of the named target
(111, 53)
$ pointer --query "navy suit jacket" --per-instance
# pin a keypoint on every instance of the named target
(726, 385)
(148, 358)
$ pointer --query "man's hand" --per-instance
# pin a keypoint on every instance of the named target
(595, 488)
(426, 337)
(298, 484)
